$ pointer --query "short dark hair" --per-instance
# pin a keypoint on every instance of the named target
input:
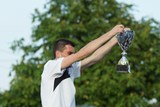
(60, 45)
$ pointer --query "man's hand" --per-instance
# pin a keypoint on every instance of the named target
(117, 29)
(125, 29)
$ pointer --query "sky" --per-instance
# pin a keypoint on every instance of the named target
(16, 22)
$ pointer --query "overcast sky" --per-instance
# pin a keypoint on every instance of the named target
(15, 23)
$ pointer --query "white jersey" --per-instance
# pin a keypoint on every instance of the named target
(57, 86)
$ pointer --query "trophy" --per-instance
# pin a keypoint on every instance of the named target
(124, 41)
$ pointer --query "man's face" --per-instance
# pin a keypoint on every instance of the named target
(67, 51)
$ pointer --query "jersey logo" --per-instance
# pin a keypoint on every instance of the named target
(58, 80)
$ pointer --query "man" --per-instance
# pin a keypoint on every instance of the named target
(57, 87)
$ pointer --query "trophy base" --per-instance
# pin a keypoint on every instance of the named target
(123, 68)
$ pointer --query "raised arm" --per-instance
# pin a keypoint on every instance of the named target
(91, 47)
(98, 54)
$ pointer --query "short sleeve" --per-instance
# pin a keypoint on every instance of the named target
(53, 68)
(75, 69)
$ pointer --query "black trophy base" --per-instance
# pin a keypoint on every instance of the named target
(123, 68)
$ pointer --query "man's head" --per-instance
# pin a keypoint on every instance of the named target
(63, 48)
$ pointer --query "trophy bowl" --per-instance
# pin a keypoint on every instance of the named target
(124, 41)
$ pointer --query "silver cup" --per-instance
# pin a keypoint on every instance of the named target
(124, 41)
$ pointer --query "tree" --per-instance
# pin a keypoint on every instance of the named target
(82, 21)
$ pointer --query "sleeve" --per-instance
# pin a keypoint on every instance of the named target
(75, 70)
(53, 68)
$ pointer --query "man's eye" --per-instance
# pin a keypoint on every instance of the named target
(69, 53)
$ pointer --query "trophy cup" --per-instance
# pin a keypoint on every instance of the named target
(124, 41)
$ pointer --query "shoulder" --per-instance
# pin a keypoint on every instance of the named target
(52, 67)
(53, 62)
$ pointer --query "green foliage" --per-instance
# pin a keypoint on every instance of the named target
(100, 85)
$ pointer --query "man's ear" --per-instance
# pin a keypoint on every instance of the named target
(58, 54)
